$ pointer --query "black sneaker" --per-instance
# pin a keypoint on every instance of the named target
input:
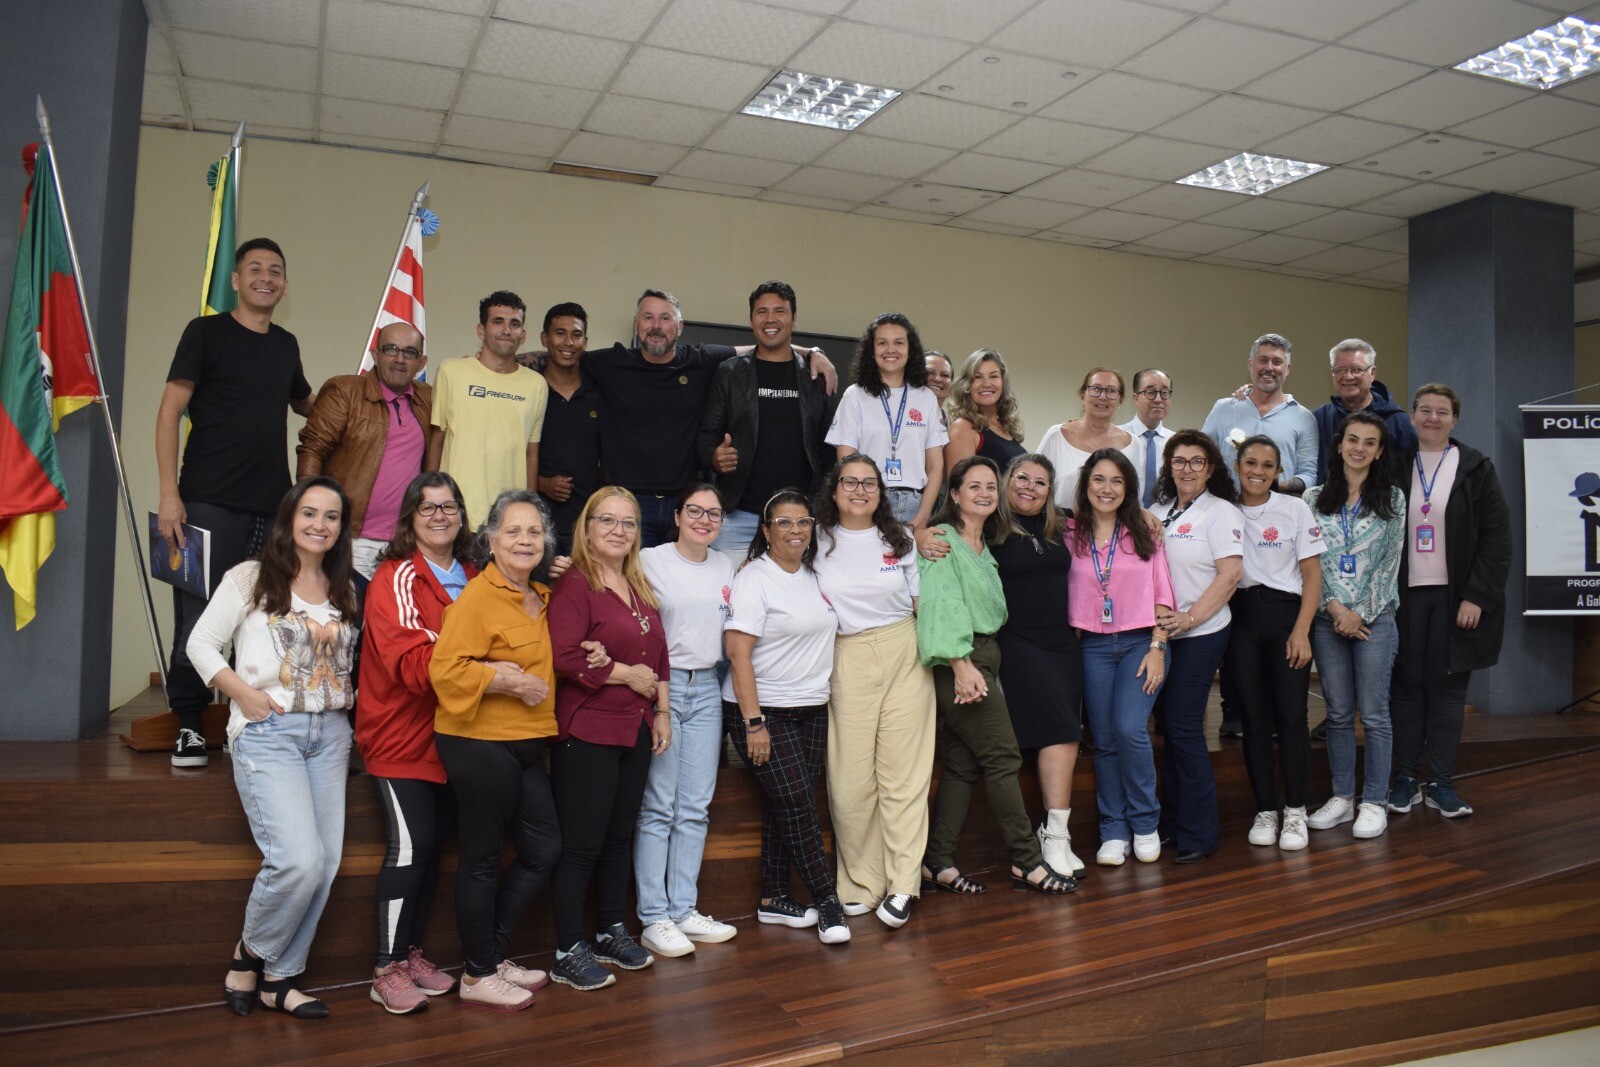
(787, 911)
(615, 946)
(190, 751)
(1230, 728)
(831, 927)
(580, 970)
(1319, 732)
(895, 909)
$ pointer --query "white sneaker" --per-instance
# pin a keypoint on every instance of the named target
(1337, 810)
(1293, 837)
(1371, 821)
(855, 907)
(704, 928)
(1112, 853)
(1264, 831)
(1146, 847)
(663, 938)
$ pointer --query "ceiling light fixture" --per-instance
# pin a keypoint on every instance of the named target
(818, 100)
(1251, 174)
(1547, 57)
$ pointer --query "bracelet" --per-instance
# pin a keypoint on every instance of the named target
(755, 729)
(663, 711)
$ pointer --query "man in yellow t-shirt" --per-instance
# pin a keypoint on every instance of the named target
(488, 411)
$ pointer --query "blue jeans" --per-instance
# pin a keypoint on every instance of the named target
(738, 528)
(905, 503)
(1119, 716)
(677, 800)
(655, 519)
(1357, 673)
(1188, 787)
(291, 772)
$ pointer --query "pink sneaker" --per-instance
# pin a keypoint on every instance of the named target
(430, 979)
(496, 993)
(522, 977)
(396, 992)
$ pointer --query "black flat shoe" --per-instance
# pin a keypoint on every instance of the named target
(1188, 855)
(279, 988)
(1052, 883)
(960, 885)
(243, 1001)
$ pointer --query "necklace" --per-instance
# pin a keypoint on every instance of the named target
(638, 611)
(1262, 508)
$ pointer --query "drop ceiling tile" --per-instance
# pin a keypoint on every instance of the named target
(1533, 121)
(879, 211)
(1199, 238)
(1516, 171)
(230, 103)
(747, 135)
(1345, 259)
(940, 199)
(1088, 188)
(1228, 261)
(460, 7)
(1586, 89)
(733, 28)
(737, 170)
(1073, 239)
(1139, 249)
(1111, 225)
(1419, 199)
(1027, 212)
(385, 144)
(388, 81)
(1237, 121)
(967, 222)
(1332, 78)
(158, 56)
(961, 21)
(1441, 99)
(1179, 201)
(652, 120)
(1275, 248)
(1373, 283)
(1199, 7)
(497, 159)
(1049, 141)
(1217, 55)
(1260, 213)
(625, 20)
(1340, 187)
(366, 28)
(1395, 240)
(1431, 155)
(874, 55)
(499, 135)
(1584, 260)
(1398, 271)
(820, 7)
(1585, 227)
(1584, 146)
(836, 184)
(275, 66)
(1308, 18)
(1147, 156)
(286, 22)
(380, 120)
(161, 97)
(1101, 33)
(700, 80)
(486, 96)
(1581, 191)
(993, 78)
(254, 129)
(697, 185)
(549, 56)
(1123, 102)
(973, 171)
(1341, 226)
(947, 123)
(1444, 32)
(879, 155)
(825, 203)
(1336, 139)
(619, 153)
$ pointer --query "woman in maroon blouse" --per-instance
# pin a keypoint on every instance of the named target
(611, 720)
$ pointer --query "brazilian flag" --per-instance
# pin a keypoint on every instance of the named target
(216, 288)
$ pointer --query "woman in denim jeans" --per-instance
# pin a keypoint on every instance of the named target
(1354, 637)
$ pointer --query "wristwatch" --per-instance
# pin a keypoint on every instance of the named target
(755, 723)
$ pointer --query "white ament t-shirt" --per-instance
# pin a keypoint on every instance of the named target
(860, 423)
(1277, 536)
(868, 585)
(694, 603)
(1208, 530)
(793, 624)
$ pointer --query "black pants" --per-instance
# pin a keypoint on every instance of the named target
(791, 830)
(417, 816)
(1272, 694)
(501, 789)
(598, 791)
(1426, 701)
(235, 537)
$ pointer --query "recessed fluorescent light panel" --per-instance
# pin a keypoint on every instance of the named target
(1545, 58)
(818, 100)
(1251, 174)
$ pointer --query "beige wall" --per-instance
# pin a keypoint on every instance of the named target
(1053, 310)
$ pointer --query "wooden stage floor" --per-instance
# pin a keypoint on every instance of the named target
(122, 883)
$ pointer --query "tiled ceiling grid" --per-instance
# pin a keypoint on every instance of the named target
(1061, 120)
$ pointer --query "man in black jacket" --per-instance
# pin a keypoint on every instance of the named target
(765, 419)
(1356, 388)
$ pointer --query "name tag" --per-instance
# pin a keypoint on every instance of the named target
(1347, 564)
(1106, 615)
(893, 471)
(1425, 538)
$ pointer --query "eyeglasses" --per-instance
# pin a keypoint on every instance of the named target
(850, 485)
(695, 511)
(1195, 463)
(408, 352)
(1110, 391)
(609, 522)
(428, 507)
(786, 525)
(1155, 394)
(1350, 372)
(1020, 478)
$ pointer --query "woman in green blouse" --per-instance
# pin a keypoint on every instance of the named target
(961, 606)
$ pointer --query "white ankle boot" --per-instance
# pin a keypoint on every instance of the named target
(1056, 844)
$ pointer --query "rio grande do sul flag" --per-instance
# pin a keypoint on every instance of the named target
(45, 373)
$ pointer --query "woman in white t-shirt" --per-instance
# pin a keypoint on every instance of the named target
(880, 712)
(1194, 498)
(779, 636)
(1269, 641)
(692, 584)
(891, 415)
(1069, 444)
(293, 622)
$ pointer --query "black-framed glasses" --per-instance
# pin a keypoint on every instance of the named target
(608, 523)
(1155, 394)
(408, 351)
(1193, 463)
(850, 485)
(428, 507)
(1109, 391)
(793, 524)
(695, 511)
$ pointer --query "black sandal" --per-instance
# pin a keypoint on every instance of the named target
(1051, 884)
(281, 988)
(960, 885)
(243, 1000)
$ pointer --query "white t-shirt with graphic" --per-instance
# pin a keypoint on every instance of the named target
(694, 603)
(868, 585)
(1277, 536)
(1208, 530)
(860, 423)
(794, 626)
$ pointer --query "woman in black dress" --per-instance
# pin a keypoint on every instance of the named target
(1040, 666)
(982, 411)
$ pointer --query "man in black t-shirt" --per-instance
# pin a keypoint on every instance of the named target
(765, 420)
(234, 374)
(569, 448)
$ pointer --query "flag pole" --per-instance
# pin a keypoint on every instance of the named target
(238, 160)
(103, 399)
(399, 250)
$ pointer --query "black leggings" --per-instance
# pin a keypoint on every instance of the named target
(1272, 693)
(598, 790)
(417, 816)
(501, 789)
(1426, 701)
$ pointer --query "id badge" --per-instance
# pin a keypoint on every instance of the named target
(892, 470)
(1425, 538)
(1347, 564)
(1105, 611)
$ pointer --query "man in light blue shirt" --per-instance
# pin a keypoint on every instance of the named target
(1267, 409)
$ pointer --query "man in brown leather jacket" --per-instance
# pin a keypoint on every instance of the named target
(369, 431)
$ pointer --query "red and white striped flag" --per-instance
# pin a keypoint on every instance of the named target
(402, 297)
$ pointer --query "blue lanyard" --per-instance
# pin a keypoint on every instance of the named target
(1427, 482)
(1347, 515)
(896, 422)
(1104, 576)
